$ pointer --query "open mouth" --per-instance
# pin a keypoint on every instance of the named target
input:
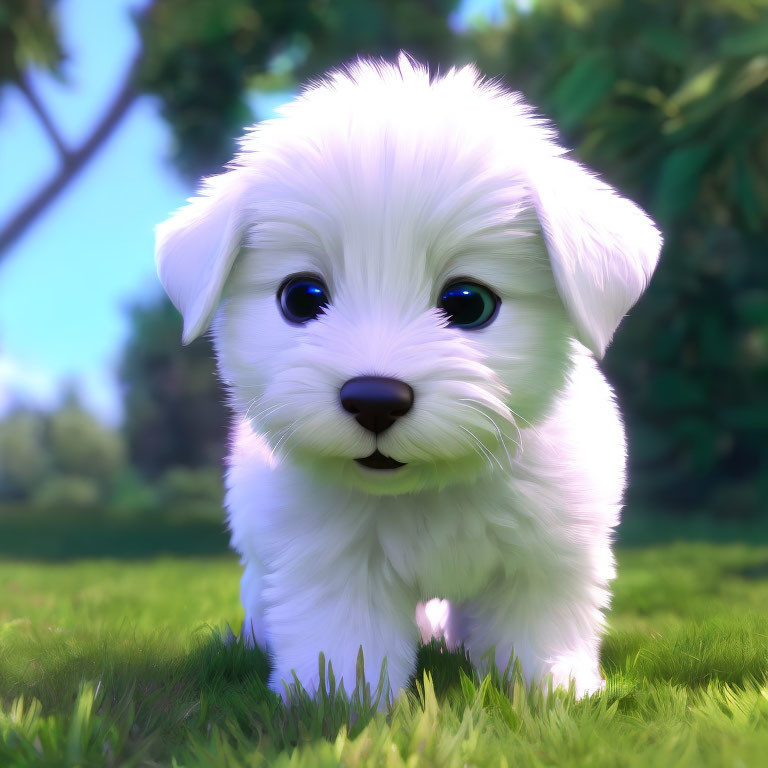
(378, 460)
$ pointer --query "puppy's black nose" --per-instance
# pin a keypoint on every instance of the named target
(376, 402)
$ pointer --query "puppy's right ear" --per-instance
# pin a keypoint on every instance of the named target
(196, 248)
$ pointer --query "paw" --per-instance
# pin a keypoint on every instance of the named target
(432, 619)
(582, 669)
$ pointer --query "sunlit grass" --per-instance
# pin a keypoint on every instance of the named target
(108, 662)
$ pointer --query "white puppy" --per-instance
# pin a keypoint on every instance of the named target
(408, 284)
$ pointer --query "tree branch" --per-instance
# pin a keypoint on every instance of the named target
(73, 160)
(26, 88)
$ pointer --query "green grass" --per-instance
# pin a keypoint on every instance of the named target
(107, 662)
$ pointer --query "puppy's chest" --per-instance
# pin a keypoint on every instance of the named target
(442, 555)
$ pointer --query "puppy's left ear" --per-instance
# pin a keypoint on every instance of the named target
(602, 248)
(196, 248)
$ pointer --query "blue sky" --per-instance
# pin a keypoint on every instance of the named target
(65, 286)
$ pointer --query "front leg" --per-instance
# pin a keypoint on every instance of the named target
(250, 596)
(337, 618)
(549, 633)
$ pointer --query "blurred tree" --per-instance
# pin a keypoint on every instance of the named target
(202, 58)
(174, 408)
(668, 99)
(81, 445)
(24, 455)
(66, 457)
(62, 494)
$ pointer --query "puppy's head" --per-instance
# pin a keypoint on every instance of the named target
(395, 271)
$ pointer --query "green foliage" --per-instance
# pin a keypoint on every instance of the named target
(143, 529)
(67, 465)
(174, 412)
(28, 35)
(115, 663)
(81, 445)
(24, 460)
(201, 57)
(71, 493)
(189, 494)
(132, 497)
(667, 100)
(63, 461)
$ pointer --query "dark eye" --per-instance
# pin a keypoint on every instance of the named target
(302, 298)
(468, 305)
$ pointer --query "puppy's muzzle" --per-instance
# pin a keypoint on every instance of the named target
(376, 402)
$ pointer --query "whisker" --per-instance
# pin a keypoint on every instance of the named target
(250, 405)
(488, 453)
(287, 432)
(511, 420)
(479, 453)
(530, 426)
(269, 411)
(498, 429)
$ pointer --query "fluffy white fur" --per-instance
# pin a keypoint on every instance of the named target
(388, 183)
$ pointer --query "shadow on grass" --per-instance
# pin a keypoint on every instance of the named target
(136, 697)
(145, 698)
(140, 699)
